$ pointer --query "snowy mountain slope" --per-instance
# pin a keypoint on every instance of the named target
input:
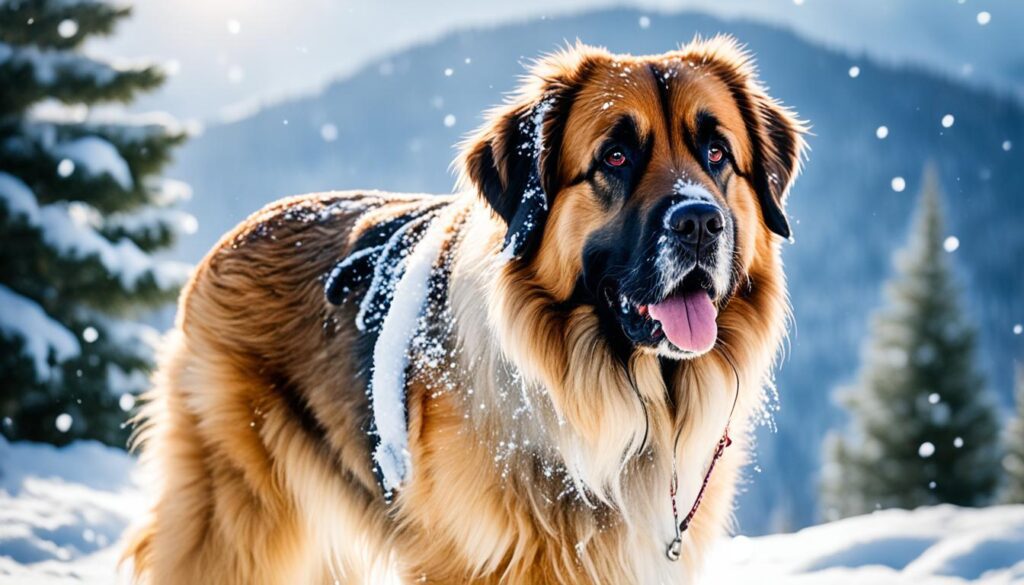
(63, 510)
(393, 126)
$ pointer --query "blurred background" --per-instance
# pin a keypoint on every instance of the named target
(906, 270)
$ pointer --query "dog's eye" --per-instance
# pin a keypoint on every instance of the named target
(716, 153)
(615, 158)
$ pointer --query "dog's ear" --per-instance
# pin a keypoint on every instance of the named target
(513, 160)
(777, 156)
(776, 134)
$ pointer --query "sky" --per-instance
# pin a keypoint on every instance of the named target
(226, 55)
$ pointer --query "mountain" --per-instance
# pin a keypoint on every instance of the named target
(393, 126)
(239, 51)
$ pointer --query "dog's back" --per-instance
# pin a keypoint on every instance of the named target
(253, 408)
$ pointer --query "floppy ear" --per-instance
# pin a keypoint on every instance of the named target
(513, 160)
(776, 134)
(779, 150)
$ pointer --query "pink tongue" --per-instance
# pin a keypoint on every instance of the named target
(688, 321)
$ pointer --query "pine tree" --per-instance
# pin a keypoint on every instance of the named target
(81, 212)
(924, 429)
(1013, 461)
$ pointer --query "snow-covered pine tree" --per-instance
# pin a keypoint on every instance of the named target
(924, 428)
(81, 213)
(1013, 460)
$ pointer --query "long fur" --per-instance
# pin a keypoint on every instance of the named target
(539, 455)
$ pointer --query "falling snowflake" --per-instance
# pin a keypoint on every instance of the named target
(645, 22)
(882, 132)
(1018, 329)
(898, 184)
(854, 72)
(933, 398)
(926, 450)
(1007, 145)
(126, 402)
(449, 121)
(958, 442)
(984, 17)
(89, 334)
(947, 121)
(234, 27)
(63, 422)
(951, 244)
(448, 72)
(67, 28)
(65, 167)
(329, 132)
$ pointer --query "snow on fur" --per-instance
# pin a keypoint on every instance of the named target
(388, 271)
(391, 357)
(533, 200)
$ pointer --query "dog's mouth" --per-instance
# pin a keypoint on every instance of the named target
(683, 322)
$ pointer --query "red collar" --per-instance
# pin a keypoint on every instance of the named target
(675, 547)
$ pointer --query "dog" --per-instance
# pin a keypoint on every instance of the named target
(532, 380)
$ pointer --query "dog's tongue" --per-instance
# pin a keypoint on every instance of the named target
(688, 320)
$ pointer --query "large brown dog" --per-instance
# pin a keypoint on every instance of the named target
(524, 382)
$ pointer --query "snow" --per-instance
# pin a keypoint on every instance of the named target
(131, 337)
(149, 220)
(18, 198)
(97, 157)
(67, 227)
(63, 510)
(942, 545)
(926, 449)
(22, 317)
(63, 422)
(49, 66)
(67, 28)
(391, 356)
(168, 191)
(121, 383)
(898, 184)
(391, 263)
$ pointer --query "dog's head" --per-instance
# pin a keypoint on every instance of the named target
(647, 187)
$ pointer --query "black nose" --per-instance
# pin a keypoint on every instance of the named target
(696, 224)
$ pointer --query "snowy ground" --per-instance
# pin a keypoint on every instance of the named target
(63, 510)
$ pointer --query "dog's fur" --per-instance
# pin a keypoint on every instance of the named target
(542, 445)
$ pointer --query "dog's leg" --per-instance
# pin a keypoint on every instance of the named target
(219, 516)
